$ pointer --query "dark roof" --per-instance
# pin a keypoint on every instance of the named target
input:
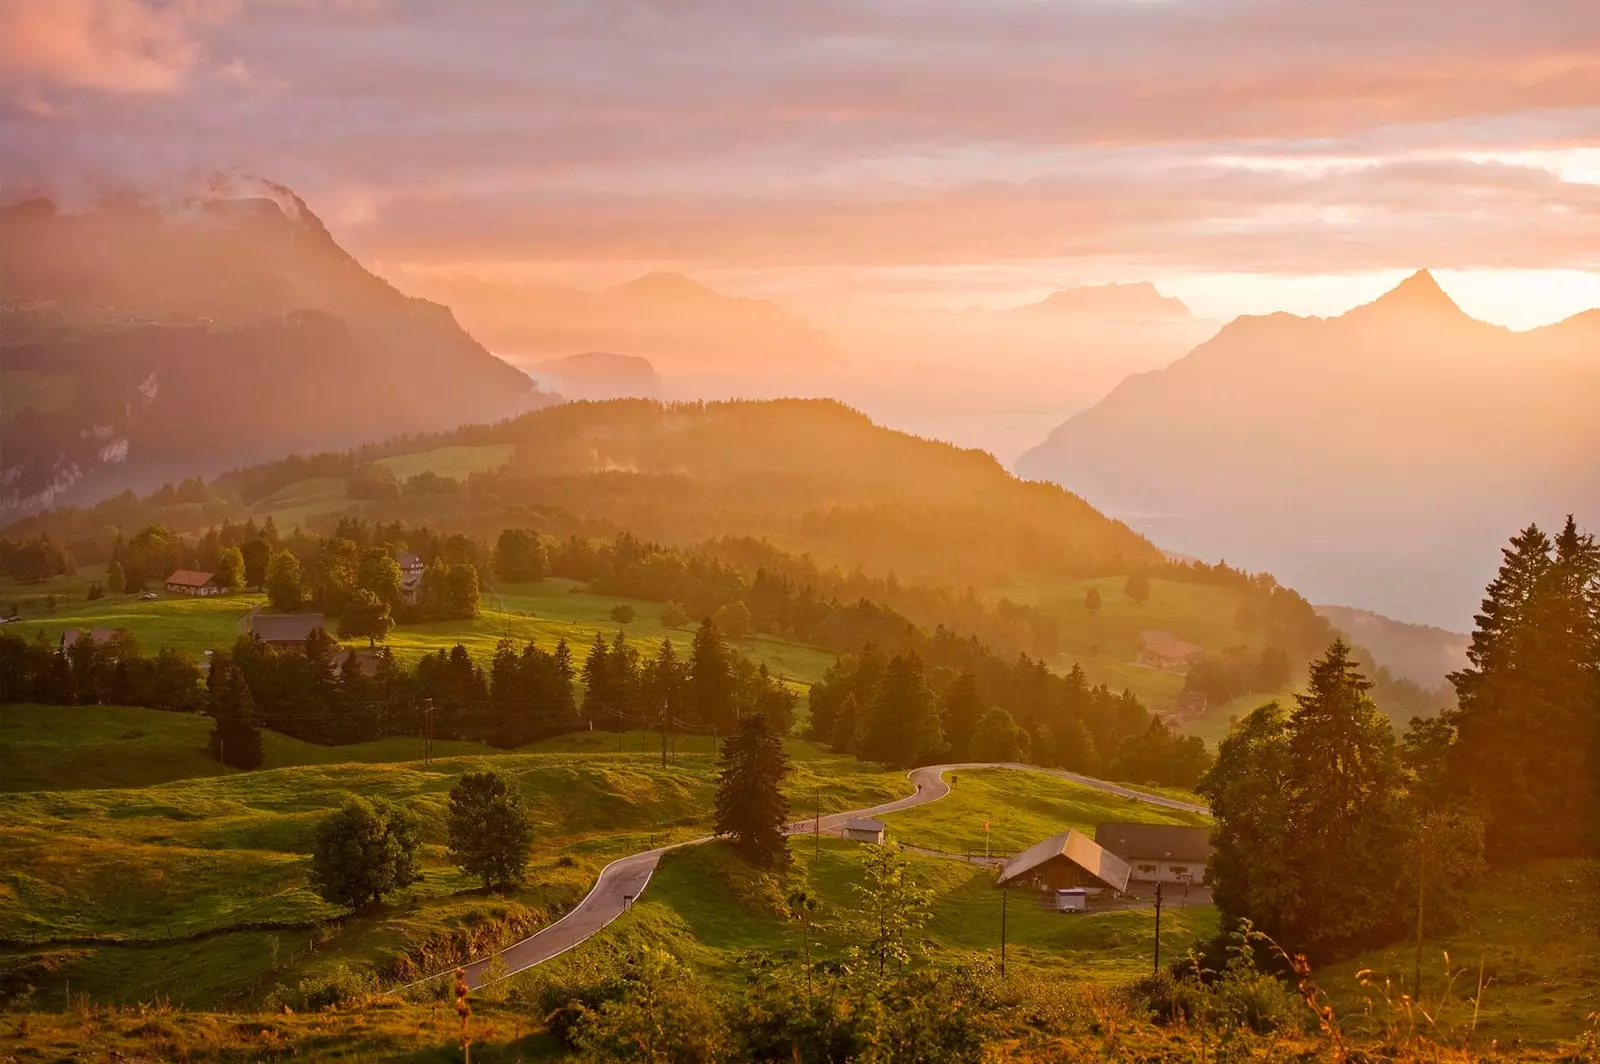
(366, 659)
(190, 578)
(99, 636)
(1164, 644)
(1074, 846)
(407, 560)
(285, 627)
(864, 825)
(1162, 842)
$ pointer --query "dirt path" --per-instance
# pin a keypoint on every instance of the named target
(624, 879)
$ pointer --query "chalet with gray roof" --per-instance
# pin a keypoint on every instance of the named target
(1160, 853)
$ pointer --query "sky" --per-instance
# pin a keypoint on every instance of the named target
(1247, 155)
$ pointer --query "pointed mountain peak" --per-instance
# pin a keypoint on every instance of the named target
(1417, 294)
(666, 285)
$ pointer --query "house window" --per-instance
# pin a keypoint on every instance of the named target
(1150, 868)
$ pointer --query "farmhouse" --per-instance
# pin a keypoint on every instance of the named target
(1070, 859)
(190, 582)
(284, 629)
(1161, 649)
(864, 830)
(1162, 853)
(410, 574)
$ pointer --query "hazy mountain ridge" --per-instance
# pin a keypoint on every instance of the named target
(1422, 653)
(196, 334)
(598, 375)
(681, 325)
(1139, 299)
(1299, 445)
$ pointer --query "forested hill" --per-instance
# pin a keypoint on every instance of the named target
(813, 476)
(144, 342)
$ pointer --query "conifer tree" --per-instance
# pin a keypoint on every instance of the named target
(959, 712)
(1528, 704)
(710, 678)
(902, 724)
(235, 739)
(751, 808)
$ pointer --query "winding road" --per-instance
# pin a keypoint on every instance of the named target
(624, 879)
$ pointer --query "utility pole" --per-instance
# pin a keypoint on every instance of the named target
(1004, 894)
(427, 731)
(663, 735)
(816, 828)
(1157, 969)
(1422, 873)
(222, 770)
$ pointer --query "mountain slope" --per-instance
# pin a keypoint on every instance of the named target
(598, 375)
(1110, 301)
(1378, 458)
(194, 335)
(680, 325)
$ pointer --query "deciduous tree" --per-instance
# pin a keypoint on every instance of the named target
(489, 828)
(362, 852)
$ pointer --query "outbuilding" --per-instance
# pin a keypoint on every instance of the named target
(1070, 859)
(284, 629)
(865, 830)
(1159, 853)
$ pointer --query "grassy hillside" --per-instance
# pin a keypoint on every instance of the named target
(1531, 934)
(709, 909)
(1021, 808)
(219, 866)
(543, 612)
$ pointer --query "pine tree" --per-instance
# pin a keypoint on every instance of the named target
(902, 724)
(751, 808)
(1528, 704)
(959, 711)
(710, 678)
(1345, 807)
(235, 739)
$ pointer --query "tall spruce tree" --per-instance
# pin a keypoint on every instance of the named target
(959, 711)
(901, 726)
(1528, 704)
(235, 739)
(711, 678)
(751, 808)
(1346, 808)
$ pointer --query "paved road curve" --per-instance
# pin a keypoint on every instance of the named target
(624, 879)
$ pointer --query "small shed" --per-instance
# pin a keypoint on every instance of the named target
(190, 582)
(1070, 859)
(865, 830)
(1072, 900)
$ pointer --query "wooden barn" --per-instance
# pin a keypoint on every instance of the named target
(1070, 859)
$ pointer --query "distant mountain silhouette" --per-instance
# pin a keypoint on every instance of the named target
(183, 337)
(599, 375)
(1110, 301)
(681, 325)
(1378, 458)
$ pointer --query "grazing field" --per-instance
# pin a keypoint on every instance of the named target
(1020, 808)
(1532, 934)
(457, 463)
(96, 882)
(67, 748)
(711, 910)
(543, 612)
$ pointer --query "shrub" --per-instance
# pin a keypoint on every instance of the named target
(622, 613)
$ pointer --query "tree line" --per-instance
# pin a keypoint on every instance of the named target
(1335, 835)
(943, 698)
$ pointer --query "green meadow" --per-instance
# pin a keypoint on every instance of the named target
(1020, 808)
(543, 611)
